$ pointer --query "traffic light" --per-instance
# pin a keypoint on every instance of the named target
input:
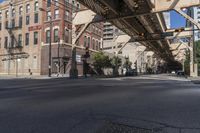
(179, 30)
(141, 34)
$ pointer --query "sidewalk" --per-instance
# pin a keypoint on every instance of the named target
(54, 76)
(195, 80)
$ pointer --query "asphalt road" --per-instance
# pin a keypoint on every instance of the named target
(91, 105)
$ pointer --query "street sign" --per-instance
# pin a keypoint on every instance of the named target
(78, 58)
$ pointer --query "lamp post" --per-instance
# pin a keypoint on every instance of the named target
(49, 18)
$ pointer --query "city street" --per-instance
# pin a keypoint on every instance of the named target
(90, 105)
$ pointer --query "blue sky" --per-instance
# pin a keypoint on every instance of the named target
(176, 20)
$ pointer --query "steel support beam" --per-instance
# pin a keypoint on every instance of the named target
(75, 38)
(166, 5)
(124, 39)
(178, 10)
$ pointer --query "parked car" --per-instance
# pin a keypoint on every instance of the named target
(131, 72)
(180, 73)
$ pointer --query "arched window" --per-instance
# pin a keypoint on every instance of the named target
(97, 48)
(85, 41)
(0, 15)
(6, 14)
(28, 8)
(93, 44)
(20, 10)
(13, 12)
(88, 42)
(36, 6)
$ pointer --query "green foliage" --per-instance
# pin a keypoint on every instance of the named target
(116, 61)
(187, 63)
(198, 54)
(101, 61)
(127, 64)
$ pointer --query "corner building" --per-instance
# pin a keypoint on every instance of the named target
(25, 36)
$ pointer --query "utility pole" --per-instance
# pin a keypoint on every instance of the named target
(50, 46)
(9, 28)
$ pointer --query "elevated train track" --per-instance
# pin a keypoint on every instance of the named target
(140, 19)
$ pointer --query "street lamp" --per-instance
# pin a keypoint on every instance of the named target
(50, 18)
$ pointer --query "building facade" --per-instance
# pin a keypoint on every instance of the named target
(194, 12)
(28, 26)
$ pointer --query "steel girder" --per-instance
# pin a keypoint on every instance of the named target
(127, 17)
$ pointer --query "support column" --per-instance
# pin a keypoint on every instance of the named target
(193, 64)
(75, 38)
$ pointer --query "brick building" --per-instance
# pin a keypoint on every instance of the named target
(25, 36)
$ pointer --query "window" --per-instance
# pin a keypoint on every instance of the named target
(67, 3)
(28, 8)
(56, 3)
(48, 16)
(13, 23)
(48, 3)
(13, 12)
(56, 13)
(78, 6)
(20, 10)
(20, 40)
(97, 45)
(67, 36)
(93, 44)
(56, 35)
(0, 15)
(36, 18)
(35, 38)
(6, 14)
(88, 42)
(27, 39)
(67, 15)
(48, 36)
(20, 22)
(85, 41)
(27, 20)
(12, 41)
(36, 7)
(6, 42)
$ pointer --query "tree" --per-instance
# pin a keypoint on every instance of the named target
(116, 63)
(127, 64)
(187, 63)
(101, 62)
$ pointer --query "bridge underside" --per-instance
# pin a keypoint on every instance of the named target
(145, 27)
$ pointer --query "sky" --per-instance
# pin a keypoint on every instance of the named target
(177, 21)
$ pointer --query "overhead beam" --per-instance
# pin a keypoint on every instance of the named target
(113, 5)
(187, 17)
(165, 5)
